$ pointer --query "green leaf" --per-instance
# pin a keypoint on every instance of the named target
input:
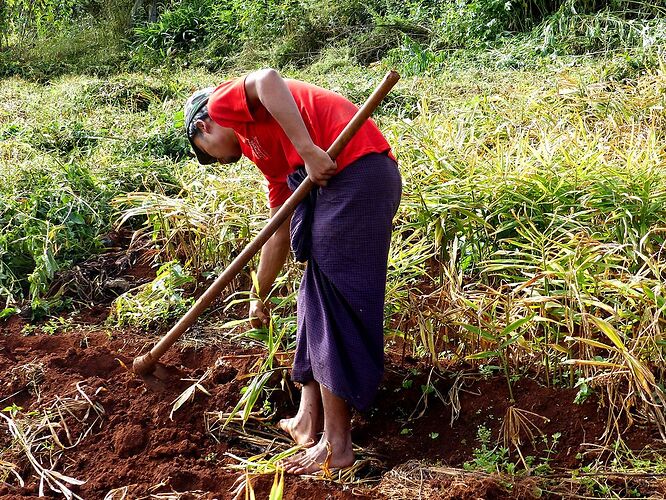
(235, 322)
(9, 311)
(517, 324)
(76, 218)
(179, 119)
(482, 355)
(610, 332)
(510, 341)
(278, 486)
(593, 343)
(477, 331)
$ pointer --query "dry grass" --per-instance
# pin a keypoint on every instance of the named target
(40, 438)
(518, 425)
(127, 493)
(257, 432)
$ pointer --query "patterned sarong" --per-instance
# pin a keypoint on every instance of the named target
(344, 232)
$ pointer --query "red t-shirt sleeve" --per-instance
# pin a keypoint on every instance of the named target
(227, 105)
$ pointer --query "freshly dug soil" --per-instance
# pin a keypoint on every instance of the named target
(135, 444)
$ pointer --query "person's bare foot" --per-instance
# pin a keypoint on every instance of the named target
(305, 427)
(302, 429)
(323, 456)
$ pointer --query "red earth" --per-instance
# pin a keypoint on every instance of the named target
(135, 444)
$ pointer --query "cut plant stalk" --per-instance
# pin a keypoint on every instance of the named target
(145, 365)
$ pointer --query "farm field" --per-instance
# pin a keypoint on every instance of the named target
(124, 442)
(444, 407)
(524, 316)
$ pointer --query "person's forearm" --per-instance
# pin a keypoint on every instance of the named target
(273, 93)
(272, 259)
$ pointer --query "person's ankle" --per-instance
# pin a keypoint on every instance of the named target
(339, 442)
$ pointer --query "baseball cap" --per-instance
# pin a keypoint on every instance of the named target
(193, 105)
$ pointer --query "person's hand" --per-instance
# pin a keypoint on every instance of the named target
(258, 314)
(319, 166)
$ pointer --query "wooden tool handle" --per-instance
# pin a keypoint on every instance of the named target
(146, 363)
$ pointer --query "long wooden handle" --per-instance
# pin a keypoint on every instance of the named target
(146, 363)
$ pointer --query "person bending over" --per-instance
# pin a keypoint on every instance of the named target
(342, 230)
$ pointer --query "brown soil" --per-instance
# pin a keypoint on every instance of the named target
(137, 445)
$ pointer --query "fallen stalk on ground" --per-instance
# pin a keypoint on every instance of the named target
(35, 437)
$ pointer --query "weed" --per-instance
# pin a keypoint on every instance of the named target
(156, 303)
(584, 390)
(488, 458)
(56, 325)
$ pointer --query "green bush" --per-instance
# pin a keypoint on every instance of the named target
(49, 220)
(568, 31)
(52, 37)
(177, 31)
(99, 38)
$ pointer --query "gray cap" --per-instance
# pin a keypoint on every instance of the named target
(193, 105)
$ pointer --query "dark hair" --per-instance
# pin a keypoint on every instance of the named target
(202, 114)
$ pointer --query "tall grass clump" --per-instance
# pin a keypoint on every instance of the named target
(154, 304)
(47, 224)
(221, 34)
(542, 223)
(51, 38)
(62, 165)
(629, 34)
(215, 212)
(47, 38)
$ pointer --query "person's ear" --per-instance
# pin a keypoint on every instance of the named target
(202, 126)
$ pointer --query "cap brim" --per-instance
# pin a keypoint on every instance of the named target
(202, 157)
(192, 107)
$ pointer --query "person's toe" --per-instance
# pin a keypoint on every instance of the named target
(291, 468)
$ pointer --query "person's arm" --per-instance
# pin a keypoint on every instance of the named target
(273, 256)
(266, 87)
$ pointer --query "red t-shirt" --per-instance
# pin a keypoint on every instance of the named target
(263, 141)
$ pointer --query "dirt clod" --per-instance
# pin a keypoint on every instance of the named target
(129, 440)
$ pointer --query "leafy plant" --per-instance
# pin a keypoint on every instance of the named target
(154, 304)
(488, 458)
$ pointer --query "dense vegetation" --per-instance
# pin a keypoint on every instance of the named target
(50, 37)
(530, 239)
